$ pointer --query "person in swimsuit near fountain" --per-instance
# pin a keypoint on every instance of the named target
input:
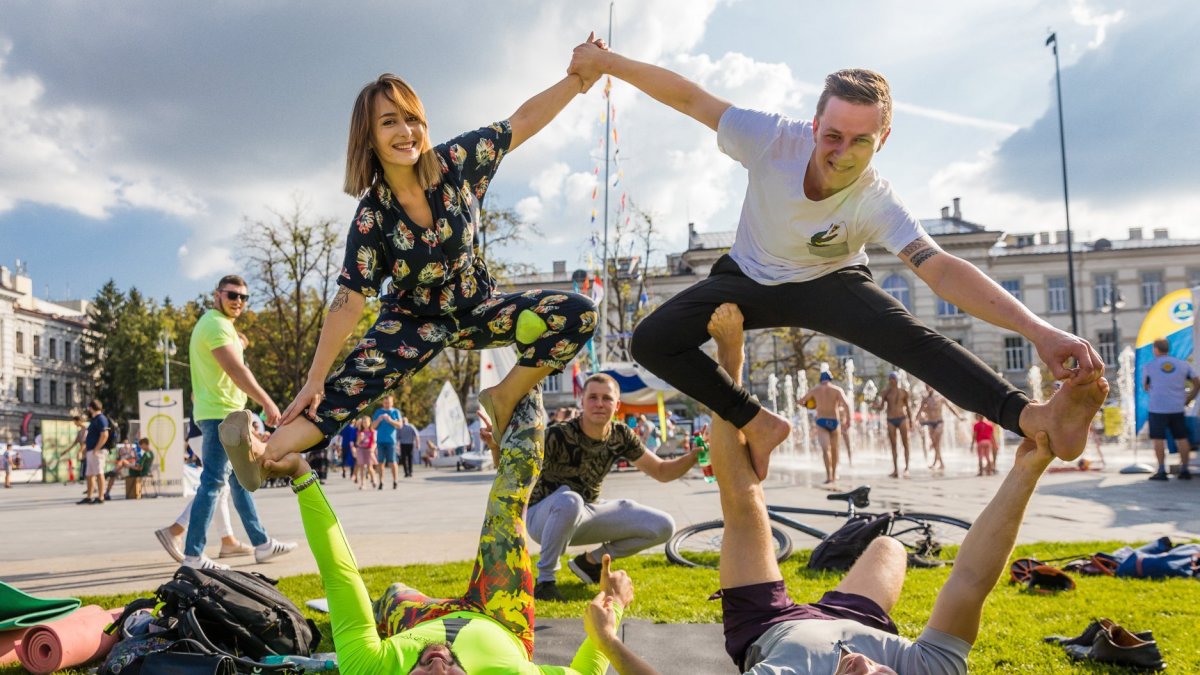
(831, 405)
(894, 400)
(930, 416)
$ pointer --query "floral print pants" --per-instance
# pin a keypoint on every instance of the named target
(501, 583)
(400, 344)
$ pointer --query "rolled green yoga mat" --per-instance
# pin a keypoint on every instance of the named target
(21, 610)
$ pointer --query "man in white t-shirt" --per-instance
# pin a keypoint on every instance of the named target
(1167, 381)
(812, 204)
(847, 630)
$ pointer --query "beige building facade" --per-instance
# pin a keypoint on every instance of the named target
(1141, 268)
(41, 342)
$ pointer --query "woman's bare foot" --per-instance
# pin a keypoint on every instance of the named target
(1066, 417)
(497, 410)
(244, 450)
(766, 430)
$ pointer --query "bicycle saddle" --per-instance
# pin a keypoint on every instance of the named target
(861, 496)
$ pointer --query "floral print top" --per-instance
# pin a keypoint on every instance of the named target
(434, 271)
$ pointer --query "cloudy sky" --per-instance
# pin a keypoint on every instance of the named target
(137, 136)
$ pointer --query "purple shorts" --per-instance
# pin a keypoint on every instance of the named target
(750, 611)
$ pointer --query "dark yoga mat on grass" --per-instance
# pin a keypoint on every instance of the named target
(672, 648)
(21, 610)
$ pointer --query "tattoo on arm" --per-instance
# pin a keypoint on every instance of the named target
(922, 255)
(339, 299)
(913, 247)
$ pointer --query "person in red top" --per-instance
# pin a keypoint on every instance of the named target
(985, 445)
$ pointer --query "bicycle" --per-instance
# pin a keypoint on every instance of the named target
(923, 534)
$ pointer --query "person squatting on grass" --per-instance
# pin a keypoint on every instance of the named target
(415, 228)
(812, 205)
(490, 627)
(848, 629)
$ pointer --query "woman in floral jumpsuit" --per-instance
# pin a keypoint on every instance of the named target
(411, 242)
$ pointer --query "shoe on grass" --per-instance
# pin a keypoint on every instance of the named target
(202, 562)
(587, 571)
(173, 544)
(547, 590)
(1113, 644)
(238, 549)
(273, 548)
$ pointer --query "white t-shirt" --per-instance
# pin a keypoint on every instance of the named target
(815, 646)
(783, 236)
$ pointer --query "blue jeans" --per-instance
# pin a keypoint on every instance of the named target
(212, 479)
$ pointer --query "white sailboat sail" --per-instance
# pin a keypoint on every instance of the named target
(451, 422)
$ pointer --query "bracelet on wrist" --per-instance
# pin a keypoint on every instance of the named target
(304, 484)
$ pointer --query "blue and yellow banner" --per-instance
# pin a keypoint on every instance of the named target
(1169, 318)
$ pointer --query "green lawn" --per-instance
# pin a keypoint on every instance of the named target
(1013, 624)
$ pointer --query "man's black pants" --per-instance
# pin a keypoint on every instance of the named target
(847, 305)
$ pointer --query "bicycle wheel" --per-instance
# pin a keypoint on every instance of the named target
(699, 545)
(927, 535)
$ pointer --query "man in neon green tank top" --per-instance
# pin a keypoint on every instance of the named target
(487, 630)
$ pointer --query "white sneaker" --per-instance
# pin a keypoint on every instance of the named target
(273, 548)
(203, 562)
(172, 543)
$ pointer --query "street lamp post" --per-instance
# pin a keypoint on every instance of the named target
(1115, 303)
(167, 346)
(1052, 41)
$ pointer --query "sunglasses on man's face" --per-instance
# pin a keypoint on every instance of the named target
(234, 295)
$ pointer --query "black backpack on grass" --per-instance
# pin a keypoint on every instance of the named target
(237, 613)
(839, 550)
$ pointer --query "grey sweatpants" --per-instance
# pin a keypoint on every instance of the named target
(621, 527)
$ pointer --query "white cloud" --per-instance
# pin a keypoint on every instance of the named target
(1091, 18)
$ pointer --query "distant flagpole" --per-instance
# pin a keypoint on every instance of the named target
(602, 338)
(1052, 42)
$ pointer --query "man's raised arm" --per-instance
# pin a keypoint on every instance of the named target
(689, 98)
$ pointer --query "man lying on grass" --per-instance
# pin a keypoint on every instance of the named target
(490, 628)
(848, 630)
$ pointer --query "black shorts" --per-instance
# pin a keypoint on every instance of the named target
(1161, 422)
(750, 611)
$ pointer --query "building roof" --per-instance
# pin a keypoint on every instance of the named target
(942, 226)
(1093, 246)
(711, 240)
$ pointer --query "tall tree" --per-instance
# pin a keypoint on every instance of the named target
(103, 317)
(293, 259)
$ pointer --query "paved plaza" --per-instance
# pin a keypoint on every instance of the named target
(50, 546)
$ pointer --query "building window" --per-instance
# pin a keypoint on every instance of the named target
(1152, 288)
(53, 392)
(1013, 286)
(69, 394)
(1194, 277)
(553, 383)
(20, 342)
(945, 308)
(37, 389)
(67, 351)
(897, 287)
(1107, 347)
(20, 389)
(1056, 295)
(1103, 285)
(1016, 353)
(53, 348)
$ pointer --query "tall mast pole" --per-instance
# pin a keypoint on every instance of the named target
(602, 338)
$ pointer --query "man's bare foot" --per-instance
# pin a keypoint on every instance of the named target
(763, 434)
(725, 327)
(1066, 417)
(894, 474)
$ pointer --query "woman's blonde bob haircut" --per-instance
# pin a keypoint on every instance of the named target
(363, 169)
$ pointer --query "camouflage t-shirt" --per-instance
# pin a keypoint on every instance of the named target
(581, 463)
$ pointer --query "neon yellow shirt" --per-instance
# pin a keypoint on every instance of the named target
(215, 393)
(481, 644)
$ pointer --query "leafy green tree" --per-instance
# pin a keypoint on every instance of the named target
(103, 318)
